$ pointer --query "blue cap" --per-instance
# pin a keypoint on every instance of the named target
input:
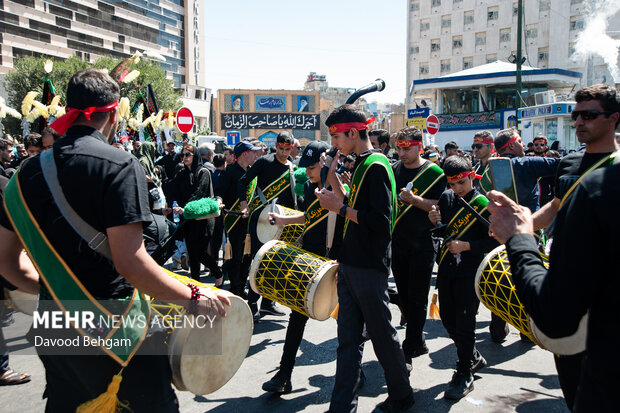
(244, 146)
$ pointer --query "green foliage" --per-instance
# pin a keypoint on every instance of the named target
(28, 75)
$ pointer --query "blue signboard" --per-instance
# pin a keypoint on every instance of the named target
(418, 113)
(268, 138)
(232, 138)
(546, 110)
(270, 103)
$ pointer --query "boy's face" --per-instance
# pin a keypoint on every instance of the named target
(343, 141)
(33, 150)
(283, 152)
(314, 173)
(462, 186)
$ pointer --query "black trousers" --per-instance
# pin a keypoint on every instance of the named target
(458, 305)
(256, 244)
(363, 298)
(294, 334)
(73, 380)
(569, 373)
(238, 265)
(412, 272)
(197, 241)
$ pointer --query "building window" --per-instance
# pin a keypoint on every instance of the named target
(457, 42)
(576, 23)
(544, 5)
(576, 1)
(435, 45)
(571, 49)
(543, 55)
(468, 62)
(415, 49)
(515, 9)
(492, 13)
(481, 38)
(457, 1)
(468, 17)
(446, 21)
(445, 66)
(423, 68)
(415, 6)
(504, 35)
(491, 58)
(460, 101)
(424, 25)
(435, 3)
(531, 31)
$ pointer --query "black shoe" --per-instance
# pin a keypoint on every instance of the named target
(460, 386)
(403, 320)
(362, 380)
(498, 335)
(420, 350)
(394, 406)
(280, 383)
(271, 309)
(479, 363)
(255, 312)
(408, 363)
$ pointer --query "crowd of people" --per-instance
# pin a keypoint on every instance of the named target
(396, 211)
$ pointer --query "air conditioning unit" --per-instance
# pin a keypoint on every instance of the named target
(543, 98)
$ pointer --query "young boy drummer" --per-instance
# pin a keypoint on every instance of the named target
(466, 241)
(314, 239)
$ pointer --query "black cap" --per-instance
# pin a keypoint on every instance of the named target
(312, 153)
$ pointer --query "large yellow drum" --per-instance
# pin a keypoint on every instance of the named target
(196, 366)
(287, 233)
(495, 289)
(302, 281)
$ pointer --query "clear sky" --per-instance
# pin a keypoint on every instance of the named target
(275, 44)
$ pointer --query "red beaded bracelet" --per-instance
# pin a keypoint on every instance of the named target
(195, 291)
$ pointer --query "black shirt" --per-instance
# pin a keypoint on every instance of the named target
(228, 183)
(477, 236)
(479, 170)
(315, 240)
(169, 162)
(267, 168)
(584, 275)
(413, 229)
(368, 244)
(105, 186)
(572, 166)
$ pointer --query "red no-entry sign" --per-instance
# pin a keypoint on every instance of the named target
(185, 120)
(432, 124)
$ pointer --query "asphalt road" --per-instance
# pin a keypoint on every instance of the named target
(520, 377)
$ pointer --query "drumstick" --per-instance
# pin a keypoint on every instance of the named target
(409, 186)
(228, 211)
(436, 228)
(272, 220)
(471, 209)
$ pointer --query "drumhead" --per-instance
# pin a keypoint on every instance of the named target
(197, 371)
(565, 346)
(23, 302)
(264, 230)
(256, 262)
(482, 266)
(322, 295)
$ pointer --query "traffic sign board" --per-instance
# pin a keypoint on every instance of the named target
(185, 120)
(432, 124)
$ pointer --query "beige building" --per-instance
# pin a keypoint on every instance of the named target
(447, 36)
(263, 114)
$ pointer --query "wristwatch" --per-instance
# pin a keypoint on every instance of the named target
(343, 211)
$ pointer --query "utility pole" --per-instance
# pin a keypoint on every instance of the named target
(519, 59)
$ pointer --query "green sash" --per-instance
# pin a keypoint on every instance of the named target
(602, 163)
(314, 215)
(485, 182)
(273, 190)
(230, 220)
(462, 222)
(65, 288)
(423, 181)
(358, 180)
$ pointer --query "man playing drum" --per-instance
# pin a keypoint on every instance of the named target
(314, 240)
(274, 178)
(596, 118)
(413, 252)
(364, 264)
(107, 188)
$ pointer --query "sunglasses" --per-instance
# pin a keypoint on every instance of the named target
(479, 145)
(587, 114)
(187, 154)
(539, 144)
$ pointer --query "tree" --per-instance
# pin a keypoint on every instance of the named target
(28, 75)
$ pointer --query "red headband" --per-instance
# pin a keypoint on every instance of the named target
(480, 139)
(64, 122)
(458, 177)
(407, 143)
(513, 139)
(284, 145)
(347, 126)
